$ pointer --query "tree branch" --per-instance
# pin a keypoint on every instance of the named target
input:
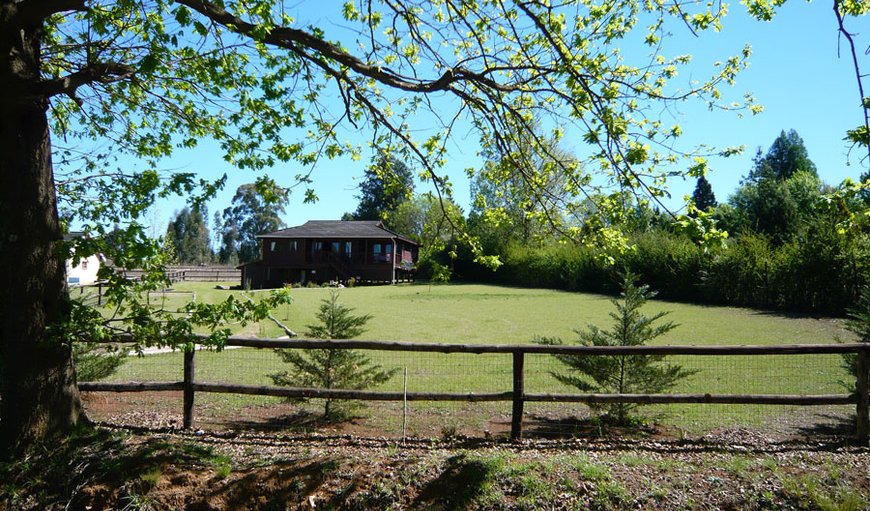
(292, 39)
(33, 12)
(101, 72)
(858, 76)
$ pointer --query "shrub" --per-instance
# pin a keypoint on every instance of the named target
(332, 368)
(96, 361)
(621, 374)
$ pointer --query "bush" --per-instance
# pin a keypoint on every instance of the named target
(621, 374)
(821, 271)
(96, 361)
(332, 368)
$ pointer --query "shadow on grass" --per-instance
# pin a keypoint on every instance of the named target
(299, 422)
(463, 481)
(538, 426)
(830, 425)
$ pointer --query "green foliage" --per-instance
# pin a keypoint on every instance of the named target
(436, 225)
(256, 209)
(97, 361)
(388, 183)
(332, 368)
(786, 157)
(188, 234)
(507, 202)
(621, 374)
(859, 324)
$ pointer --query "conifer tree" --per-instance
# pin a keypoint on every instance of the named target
(621, 374)
(703, 196)
(332, 368)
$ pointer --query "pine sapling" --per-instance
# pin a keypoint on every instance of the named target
(332, 368)
(621, 374)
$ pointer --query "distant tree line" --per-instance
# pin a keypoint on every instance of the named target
(795, 243)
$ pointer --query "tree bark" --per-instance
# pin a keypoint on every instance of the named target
(39, 399)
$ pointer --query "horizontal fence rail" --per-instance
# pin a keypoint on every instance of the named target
(517, 395)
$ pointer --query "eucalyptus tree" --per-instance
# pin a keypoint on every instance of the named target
(188, 233)
(253, 211)
(91, 84)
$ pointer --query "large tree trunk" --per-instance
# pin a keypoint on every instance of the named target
(38, 394)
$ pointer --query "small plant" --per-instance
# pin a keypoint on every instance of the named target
(859, 324)
(137, 502)
(332, 368)
(351, 282)
(621, 374)
(151, 477)
(95, 361)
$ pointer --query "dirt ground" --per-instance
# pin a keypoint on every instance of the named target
(162, 468)
(139, 458)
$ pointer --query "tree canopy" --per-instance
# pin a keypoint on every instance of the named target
(703, 195)
(188, 234)
(388, 182)
(255, 210)
(89, 82)
(786, 157)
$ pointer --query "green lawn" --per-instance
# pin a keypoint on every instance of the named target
(461, 313)
(474, 313)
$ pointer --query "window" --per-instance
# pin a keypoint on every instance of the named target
(348, 246)
(273, 246)
(84, 264)
(317, 246)
(336, 247)
(382, 252)
(294, 246)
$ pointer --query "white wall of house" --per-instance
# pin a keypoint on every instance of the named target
(85, 273)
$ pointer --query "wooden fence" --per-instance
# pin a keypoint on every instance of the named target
(517, 395)
(196, 274)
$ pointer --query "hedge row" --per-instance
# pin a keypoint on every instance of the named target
(822, 272)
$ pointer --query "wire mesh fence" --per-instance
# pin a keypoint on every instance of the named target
(492, 374)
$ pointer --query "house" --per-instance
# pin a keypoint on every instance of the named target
(85, 272)
(331, 250)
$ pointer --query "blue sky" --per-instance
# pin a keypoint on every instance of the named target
(795, 73)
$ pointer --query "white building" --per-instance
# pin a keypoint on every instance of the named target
(86, 271)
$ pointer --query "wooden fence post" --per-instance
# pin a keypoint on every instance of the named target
(519, 392)
(188, 387)
(862, 388)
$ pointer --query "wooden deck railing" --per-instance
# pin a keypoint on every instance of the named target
(517, 395)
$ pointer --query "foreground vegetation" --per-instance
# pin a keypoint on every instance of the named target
(114, 470)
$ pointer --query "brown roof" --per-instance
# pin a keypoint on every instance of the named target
(337, 229)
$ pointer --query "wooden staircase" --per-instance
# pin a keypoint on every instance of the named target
(340, 266)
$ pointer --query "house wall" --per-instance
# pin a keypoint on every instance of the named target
(324, 260)
(84, 273)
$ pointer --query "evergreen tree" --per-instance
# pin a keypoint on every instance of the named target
(786, 157)
(621, 374)
(703, 196)
(332, 368)
(859, 324)
(188, 233)
(97, 361)
(388, 183)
